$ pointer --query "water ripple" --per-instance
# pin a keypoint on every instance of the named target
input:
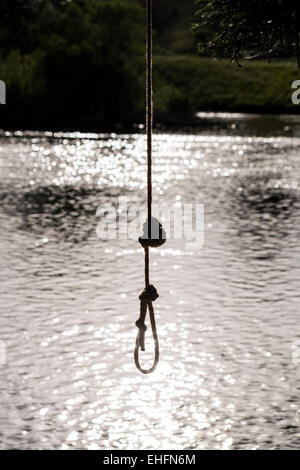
(227, 315)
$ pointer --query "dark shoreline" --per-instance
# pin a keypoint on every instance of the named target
(174, 122)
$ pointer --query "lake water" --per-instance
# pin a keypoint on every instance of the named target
(228, 315)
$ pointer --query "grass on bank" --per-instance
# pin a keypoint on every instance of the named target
(187, 84)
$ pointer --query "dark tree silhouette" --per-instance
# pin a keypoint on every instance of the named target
(267, 28)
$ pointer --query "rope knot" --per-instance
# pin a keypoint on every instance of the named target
(140, 324)
(154, 235)
(149, 294)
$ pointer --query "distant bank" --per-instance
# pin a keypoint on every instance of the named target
(188, 84)
(183, 86)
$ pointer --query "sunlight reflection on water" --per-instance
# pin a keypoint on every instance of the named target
(227, 315)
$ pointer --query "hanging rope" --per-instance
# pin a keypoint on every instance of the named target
(154, 235)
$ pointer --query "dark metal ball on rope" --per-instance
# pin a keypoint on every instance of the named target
(155, 237)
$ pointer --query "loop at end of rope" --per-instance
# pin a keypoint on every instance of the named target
(154, 235)
(148, 296)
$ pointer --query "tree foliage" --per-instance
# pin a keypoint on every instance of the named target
(68, 59)
(267, 28)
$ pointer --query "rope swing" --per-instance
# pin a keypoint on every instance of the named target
(154, 236)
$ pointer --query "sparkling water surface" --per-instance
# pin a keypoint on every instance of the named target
(227, 314)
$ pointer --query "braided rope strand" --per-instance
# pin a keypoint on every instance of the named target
(149, 295)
